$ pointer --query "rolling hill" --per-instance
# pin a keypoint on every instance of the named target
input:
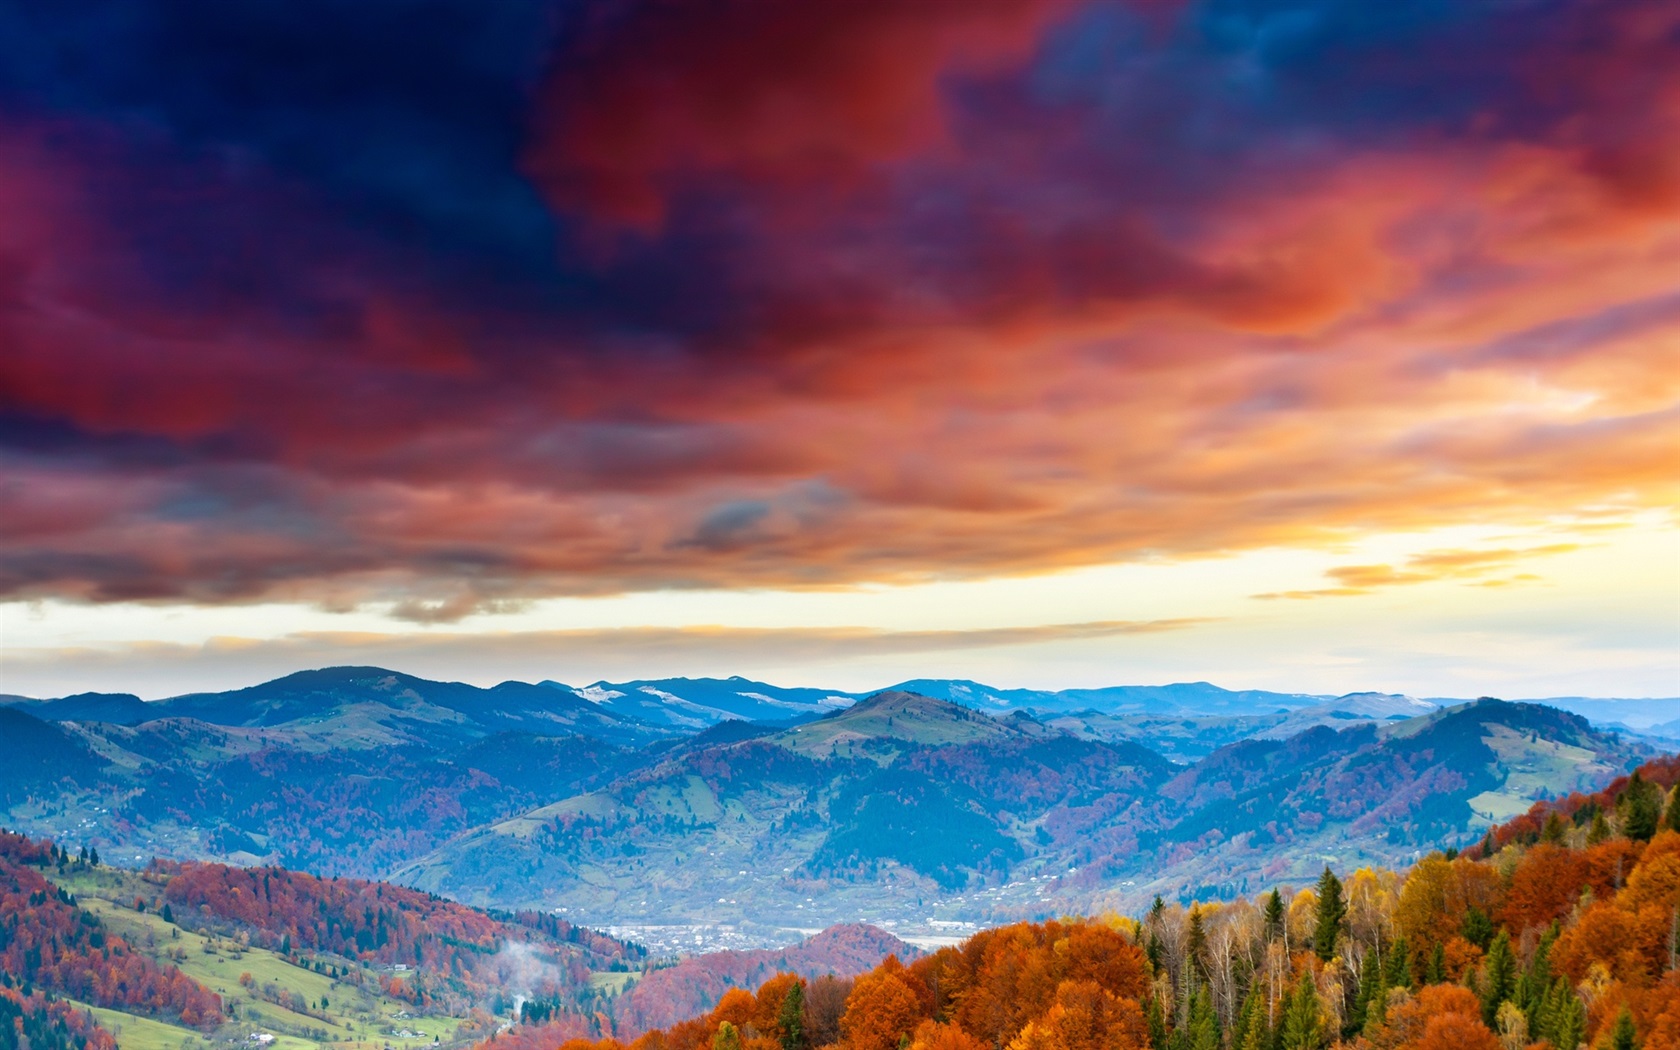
(909, 809)
(898, 807)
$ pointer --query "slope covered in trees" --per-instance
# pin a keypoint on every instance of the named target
(35, 1022)
(46, 940)
(446, 947)
(1563, 931)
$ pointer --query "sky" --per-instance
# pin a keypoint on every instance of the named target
(1310, 345)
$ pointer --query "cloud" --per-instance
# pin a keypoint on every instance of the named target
(800, 95)
(1473, 567)
(531, 302)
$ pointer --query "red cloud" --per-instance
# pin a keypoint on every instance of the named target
(1059, 368)
(786, 93)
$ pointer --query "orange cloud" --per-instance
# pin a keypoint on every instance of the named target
(1470, 566)
(902, 307)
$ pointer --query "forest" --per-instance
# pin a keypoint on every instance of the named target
(1561, 929)
(46, 940)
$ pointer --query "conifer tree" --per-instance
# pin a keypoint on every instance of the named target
(1643, 800)
(1332, 909)
(1563, 1018)
(1204, 1027)
(1553, 831)
(1274, 915)
(1623, 1036)
(1437, 971)
(1156, 1018)
(728, 1037)
(1399, 966)
(791, 1018)
(1600, 829)
(1499, 979)
(1302, 1027)
(1674, 809)
(1196, 948)
(1478, 928)
(1536, 981)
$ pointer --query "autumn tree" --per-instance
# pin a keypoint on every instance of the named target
(881, 1010)
(932, 1035)
(825, 1003)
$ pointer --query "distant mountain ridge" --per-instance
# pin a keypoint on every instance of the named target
(639, 710)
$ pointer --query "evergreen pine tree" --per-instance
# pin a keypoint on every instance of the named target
(1196, 948)
(1623, 1036)
(1567, 1017)
(1600, 829)
(1156, 1018)
(1399, 966)
(1674, 809)
(1536, 981)
(1553, 831)
(1332, 909)
(1643, 800)
(1204, 1027)
(1437, 971)
(1274, 915)
(1478, 928)
(1245, 1017)
(1302, 1027)
(1499, 978)
(791, 1017)
(728, 1037)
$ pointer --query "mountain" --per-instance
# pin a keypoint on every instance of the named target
(1373, 792)
(119, 708)
(895, 807)
(41, 759)
(1667, 730)
(925, 796)
(883, 725)
(341, 707)
(1635, 714)
(1187, 739)
(908, 806)
(694, 703)
(1184, 698)
(375, 705)
(180, 787)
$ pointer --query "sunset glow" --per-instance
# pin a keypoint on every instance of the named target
(1314, 346)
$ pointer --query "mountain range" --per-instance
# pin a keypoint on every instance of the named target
(636, 710)
(725, 801)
